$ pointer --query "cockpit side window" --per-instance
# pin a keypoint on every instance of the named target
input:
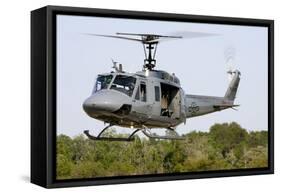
(102, 82)
(124, 84)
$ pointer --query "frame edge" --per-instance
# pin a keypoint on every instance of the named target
(38, 97)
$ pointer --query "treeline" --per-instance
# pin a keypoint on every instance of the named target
(225, 146)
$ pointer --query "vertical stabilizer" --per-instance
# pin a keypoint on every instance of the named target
(233, 85)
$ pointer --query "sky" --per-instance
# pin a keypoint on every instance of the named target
(199, 63)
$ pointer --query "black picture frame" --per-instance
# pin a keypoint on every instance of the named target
(43, 95)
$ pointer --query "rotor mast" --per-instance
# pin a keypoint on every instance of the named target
(149, 53)
(150, 42)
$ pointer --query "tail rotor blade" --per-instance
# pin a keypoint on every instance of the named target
(229, 55)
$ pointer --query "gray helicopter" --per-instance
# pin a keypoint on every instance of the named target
(149, 98)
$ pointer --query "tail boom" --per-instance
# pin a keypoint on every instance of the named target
(197, 105)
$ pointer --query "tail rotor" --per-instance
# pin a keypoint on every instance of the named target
(229, 54)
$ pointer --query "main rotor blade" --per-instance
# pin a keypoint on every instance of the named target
(156, 38)
(191, 34)
(144, 34)
(112, 36)
(163, 38)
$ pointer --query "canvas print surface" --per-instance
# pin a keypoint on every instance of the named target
(143, 97)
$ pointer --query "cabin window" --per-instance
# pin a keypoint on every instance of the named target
(102, 82)
(137, 97)
(157, 93)
(124, 84)
(143, 91)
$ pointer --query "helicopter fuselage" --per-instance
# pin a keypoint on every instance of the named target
(149, 98)
(153, 99)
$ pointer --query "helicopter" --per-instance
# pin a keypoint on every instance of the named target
(150, 98)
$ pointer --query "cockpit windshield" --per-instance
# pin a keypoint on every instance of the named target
(124, 84)
(102, 82)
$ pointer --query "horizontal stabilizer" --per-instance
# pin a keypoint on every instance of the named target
(224, 106)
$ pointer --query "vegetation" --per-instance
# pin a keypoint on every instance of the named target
(225, 146)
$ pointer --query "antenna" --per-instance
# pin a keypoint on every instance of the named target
(117, 68)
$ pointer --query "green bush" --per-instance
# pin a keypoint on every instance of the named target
(225, 146)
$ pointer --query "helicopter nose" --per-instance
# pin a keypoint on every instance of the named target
(107, 100)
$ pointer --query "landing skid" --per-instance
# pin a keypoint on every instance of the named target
(99, 137)
(146, 131)
(108, 138)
